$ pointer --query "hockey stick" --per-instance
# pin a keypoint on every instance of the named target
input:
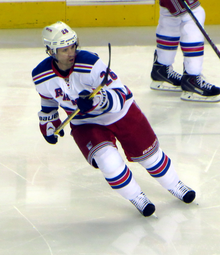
(200, 27)
(104, 81)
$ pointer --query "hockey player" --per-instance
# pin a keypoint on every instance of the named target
(177, 27)
(65, 79)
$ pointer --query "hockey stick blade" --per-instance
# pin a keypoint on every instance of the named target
(188, 9)
(103, 83)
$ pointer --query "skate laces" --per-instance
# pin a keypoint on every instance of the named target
(172, 74)
(140, 201)
(179, 190)
(202, 83)
(143, 204)
(183, 192)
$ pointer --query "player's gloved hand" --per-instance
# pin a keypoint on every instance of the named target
(84, 103)
(99, 101)
(48, 123)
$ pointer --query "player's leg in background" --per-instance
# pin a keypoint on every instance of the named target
(167, 40)
(194, 87)
(192, 42)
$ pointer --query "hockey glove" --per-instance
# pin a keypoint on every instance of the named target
(100, 101)
(48, 123)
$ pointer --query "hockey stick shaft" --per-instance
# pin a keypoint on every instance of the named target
(104, 81)
(200, 27)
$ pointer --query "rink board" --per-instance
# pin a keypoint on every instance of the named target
(37, 14)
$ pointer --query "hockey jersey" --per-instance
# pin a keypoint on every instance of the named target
(176, 8)
(86, 74)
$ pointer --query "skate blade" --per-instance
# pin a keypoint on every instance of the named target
(164, 86)
(190, 96)
(154, 215)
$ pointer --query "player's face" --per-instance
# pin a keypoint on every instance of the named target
(66, 57)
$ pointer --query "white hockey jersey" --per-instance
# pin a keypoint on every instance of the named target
(86, 74)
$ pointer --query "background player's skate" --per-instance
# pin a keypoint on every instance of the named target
(195, 88)
(164, 78)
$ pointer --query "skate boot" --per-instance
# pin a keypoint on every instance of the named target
(196, 89)
(183, 192)
(143, 204)
(164, 78)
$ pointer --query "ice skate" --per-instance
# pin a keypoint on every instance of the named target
(195, 88)
(143, 204)
(183, 192)
(164, 78)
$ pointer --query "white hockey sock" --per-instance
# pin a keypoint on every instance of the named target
(124, 184)
(166, 57)
(193, 65)
(169, 179)
(116, 173)
(161, 168)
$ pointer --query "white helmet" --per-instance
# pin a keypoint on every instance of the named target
(58, 35)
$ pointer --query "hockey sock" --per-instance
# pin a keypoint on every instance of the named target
(167, 49)
(125, 184)
(116, 173)
(161, 168)
(193, 57)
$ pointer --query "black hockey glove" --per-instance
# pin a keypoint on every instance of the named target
(48, 123)
(84, 103)
(99, 102)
